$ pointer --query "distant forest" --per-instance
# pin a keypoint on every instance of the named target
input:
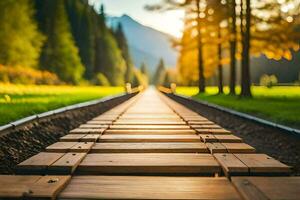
(67, 40)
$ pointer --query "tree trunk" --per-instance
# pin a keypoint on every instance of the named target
(200, 53)
(245, 71)
(220, 67)
(232, 48)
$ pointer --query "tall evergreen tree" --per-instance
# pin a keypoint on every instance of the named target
(144, 70)
(60, 54)
(123, 45)
(20, 40)
(160, 73)
(81, 16)
(109, 60)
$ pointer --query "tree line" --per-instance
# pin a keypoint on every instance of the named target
(68, 38)
(225, 32)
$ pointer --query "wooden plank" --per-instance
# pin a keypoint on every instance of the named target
(148, 163)
(216, 147)
(231, 165)
(129, 122)
(96, 126)
(182, 147)
(148, 127)
(201, 122)
(214, 131)
(47, 187)
(38, 163)
(72, 137)
(90, 138)
(208, 138)
(210, 126)
(60, 147)
(82, 147)
(149, 138)
(66, 164)
(262, 163)
(228, 138)
(151, 132)
(147, 187)
(15, 186)
(99, 123)
(87, 131)
(239, 148)
(273, 188)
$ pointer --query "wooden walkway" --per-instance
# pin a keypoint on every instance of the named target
(150, 147)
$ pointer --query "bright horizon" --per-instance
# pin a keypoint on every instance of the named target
(169, 22)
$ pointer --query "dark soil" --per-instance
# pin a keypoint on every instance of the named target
(26, 141)
(280, 145)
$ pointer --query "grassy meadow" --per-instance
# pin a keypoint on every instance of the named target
(18, 101)
(279, 104)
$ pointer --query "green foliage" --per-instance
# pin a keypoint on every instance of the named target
(160, 73)
(279, 104)
(109, 60)
(18, 101)
(123, 45)
(139, 79)
(167, 81)
(268, 81)
(60, 54)
(20, 41)
(102, 80)
(82, 16)
(26, 75)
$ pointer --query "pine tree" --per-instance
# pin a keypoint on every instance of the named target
(20, 40)
(60, 54)
(81, 16)
(160, 73)
(144, 70)
(123, 45)
(109, 60)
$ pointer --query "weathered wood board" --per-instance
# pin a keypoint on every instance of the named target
(147, 187)
(179, 147)
(152, 132)
(269, 188)
(38, 163)
(148, 163)
(149, 138)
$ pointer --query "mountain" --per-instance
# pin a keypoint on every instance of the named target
(146, 44)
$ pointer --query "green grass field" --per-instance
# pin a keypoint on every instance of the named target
(18, 101)
(277, 104)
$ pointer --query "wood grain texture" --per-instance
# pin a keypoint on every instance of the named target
(66, 164)
(216, 147)
(148, 127)
(239, 148)
(82, 147)
(149, 138)
(38, 163)
(262, 163)
(272, 188)
(152, 132)
(60, 147)
(141, 187)
(231, 165)
(47, 187)
(87, 131)
(179, 147)
(149, 163)
(213, 131)
(72, 137)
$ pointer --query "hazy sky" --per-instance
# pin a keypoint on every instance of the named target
(169, 22)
